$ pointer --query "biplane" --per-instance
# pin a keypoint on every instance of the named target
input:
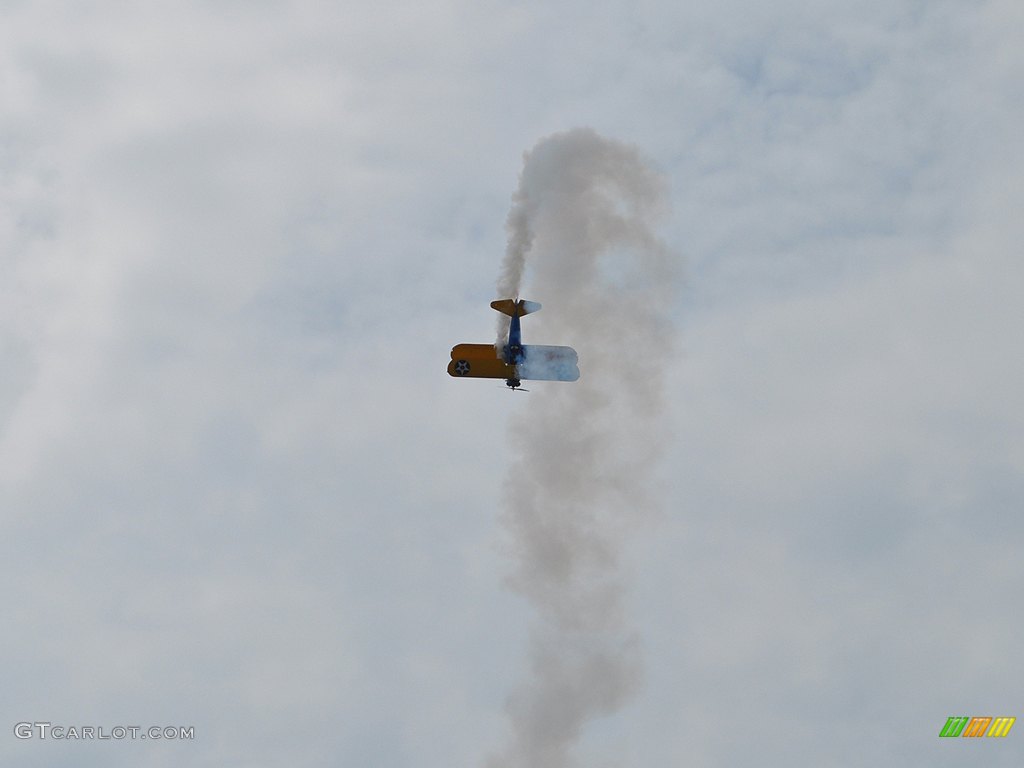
(515, 361)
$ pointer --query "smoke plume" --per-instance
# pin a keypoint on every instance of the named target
(581, 477)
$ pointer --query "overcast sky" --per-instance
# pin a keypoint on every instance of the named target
(239, 492)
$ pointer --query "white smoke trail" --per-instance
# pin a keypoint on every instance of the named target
(582, 476)
(520, 240)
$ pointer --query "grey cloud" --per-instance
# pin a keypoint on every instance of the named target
(237, 243)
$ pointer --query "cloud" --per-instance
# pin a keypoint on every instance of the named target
(237, 488)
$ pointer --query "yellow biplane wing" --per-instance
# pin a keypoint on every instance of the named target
(479, 361)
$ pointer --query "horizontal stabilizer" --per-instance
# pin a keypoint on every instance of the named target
(514, 307)
(542, 363)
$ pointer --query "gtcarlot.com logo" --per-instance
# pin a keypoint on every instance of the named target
(46, 730)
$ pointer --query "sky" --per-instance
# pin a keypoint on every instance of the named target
(239, 493)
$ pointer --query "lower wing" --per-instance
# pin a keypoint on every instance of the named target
(479, 361)
(541, 363)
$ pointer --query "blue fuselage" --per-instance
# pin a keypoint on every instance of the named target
(513, 350)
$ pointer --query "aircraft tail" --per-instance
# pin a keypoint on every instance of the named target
(515, 307)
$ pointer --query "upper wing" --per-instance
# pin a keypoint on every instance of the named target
(479, 361)
(543, 363)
